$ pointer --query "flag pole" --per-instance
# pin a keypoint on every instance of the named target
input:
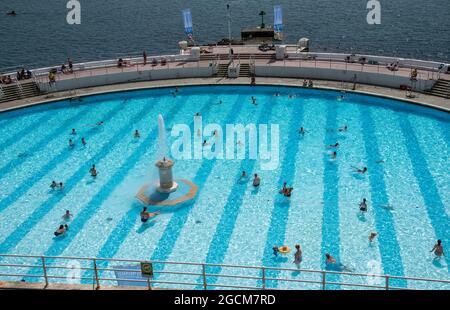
(230, 58)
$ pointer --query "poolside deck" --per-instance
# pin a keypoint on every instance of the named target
(422, 99)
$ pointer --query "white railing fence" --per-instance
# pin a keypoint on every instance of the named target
(179, 275)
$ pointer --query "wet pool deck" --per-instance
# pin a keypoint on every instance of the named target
(422, 99)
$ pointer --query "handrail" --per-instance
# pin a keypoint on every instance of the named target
(45, 264)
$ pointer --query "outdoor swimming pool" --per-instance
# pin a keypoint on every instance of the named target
(404, 147)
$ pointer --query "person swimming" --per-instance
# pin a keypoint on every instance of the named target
(93, 171)
(275, 251)
(333, 155)
(67, 215)
(333, 145)
(276, 94)
(286, 191)
(61, 230)
(145, 215)
(243, 175)
(438, 249)
(256, 180)
(53, 185)
(343, 129)
(71, 143)
(331, 263)
(362, 171)
(372, 236)
(254, 101)
(205, 142)
(137, 134)
(363, 205)
(302, 131)
(83, 141)
(74, 132)
(61, 185)
(11, 13)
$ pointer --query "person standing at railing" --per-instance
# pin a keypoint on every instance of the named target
(69, 61)
(144, 55)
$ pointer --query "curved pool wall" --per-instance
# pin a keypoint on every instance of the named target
(229, 222)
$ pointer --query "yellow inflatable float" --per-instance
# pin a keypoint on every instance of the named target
(284, 249)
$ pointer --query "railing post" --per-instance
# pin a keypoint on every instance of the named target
(324, 280)
(204, 276)
(387, 283)
(263, 278)
(44, 268)
(96, 274)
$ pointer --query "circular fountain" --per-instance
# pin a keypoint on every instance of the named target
(165, 191)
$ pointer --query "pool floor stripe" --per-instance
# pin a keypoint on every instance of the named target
(330, 218)
(126, 223)
(280, 212)
(433, 202)
(37, 176)
(43, 142)
(173, 229)
(224, 229)
(390, 251)
(19, 135)
(20, 232)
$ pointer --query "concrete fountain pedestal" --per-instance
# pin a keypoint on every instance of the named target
(168, 192)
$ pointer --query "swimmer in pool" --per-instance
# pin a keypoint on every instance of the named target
(137, 134)
(380, 161)
(205, 142)
(83, 141)
(333, 155)
(61, 230)
(343, 129)
(363, 205)
(93, 171)
(243, 175)
(67, 215)
(362, 171)
(71, 143)
(297, 256)
(329, 259)
(256, 180)
(145, 215)
(275, 251)
(302, 131)
(53, 185)
(99, 123)
(197, 114)
(438, 249)
(372, 236)
(254, 101)
(61, 185)
(73, 132)
(333, 145)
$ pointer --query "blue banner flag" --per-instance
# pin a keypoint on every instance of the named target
(277, 18)
(187, 17)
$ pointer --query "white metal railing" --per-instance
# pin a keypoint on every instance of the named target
(97, 271)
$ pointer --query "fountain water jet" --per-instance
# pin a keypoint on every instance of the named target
(167, 192)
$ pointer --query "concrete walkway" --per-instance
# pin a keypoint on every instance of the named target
(422, 99)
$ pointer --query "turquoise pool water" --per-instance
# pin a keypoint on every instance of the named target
(230, 222)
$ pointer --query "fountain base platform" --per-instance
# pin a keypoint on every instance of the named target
(149, 195)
